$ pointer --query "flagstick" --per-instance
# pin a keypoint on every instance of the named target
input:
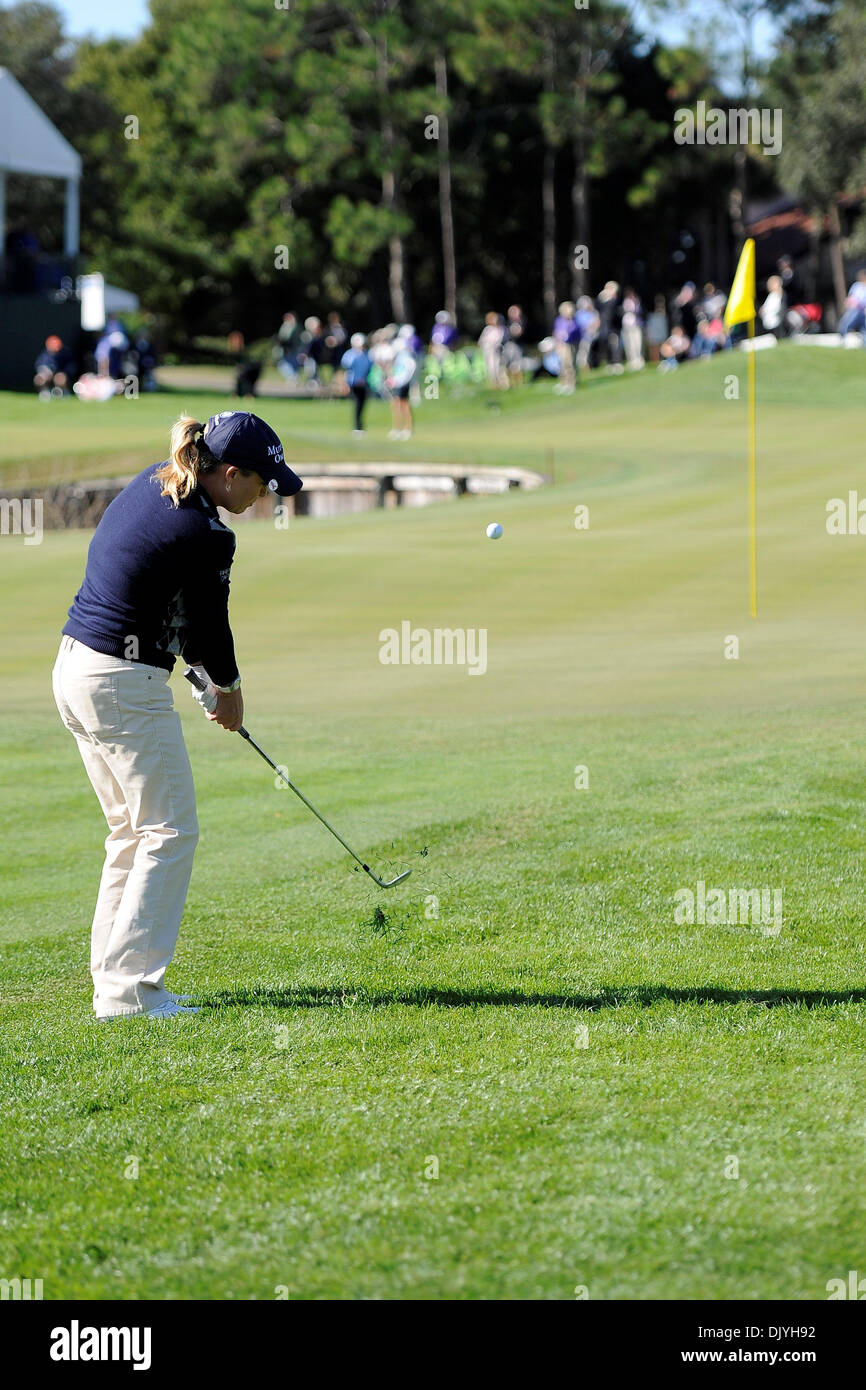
(753, 482)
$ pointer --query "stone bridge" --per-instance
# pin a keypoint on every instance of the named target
(329, 488)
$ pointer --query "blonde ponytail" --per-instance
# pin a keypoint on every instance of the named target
(189, 459)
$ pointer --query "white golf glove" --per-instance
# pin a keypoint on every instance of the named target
(206, 698)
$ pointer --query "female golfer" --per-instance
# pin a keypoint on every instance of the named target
(156, 586)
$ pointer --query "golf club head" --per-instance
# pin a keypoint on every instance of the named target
(389, 883)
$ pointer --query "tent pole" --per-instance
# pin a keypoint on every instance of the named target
(2, 226)
(71, 228)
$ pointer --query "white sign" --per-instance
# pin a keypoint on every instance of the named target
(91, 292)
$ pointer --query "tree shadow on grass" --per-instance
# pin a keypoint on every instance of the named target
(422, 996)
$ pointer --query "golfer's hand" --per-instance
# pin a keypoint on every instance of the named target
(207, 698)
(229, 712)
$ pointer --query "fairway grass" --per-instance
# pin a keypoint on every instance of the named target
(525, 1077)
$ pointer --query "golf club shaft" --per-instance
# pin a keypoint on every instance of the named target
(289, 783)
(245, 734)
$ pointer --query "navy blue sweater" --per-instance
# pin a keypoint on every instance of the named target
(157, 582)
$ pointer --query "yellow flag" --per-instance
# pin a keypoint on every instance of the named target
(741, 301)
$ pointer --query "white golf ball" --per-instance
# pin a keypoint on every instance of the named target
(494, 531)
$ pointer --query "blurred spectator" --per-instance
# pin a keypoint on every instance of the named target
(713, 302)
(710, 336)
(791, 283)
(356, 364)
(853, 319)
(566, 335)
(512, 344)
(111, 349)
(632, 329)
(380, 350)
(773, 310)
(145, 362)
(247, 375)
(657, 327)
(406, 334)
(289, 340)
(588, 323)
(55, 369)
(335, 339)
(551, 363)
(491, 344)
(684, 310)
(444, 335)
(609, 315)
(312, 349)
(674, 349)
(804, 318)
(398, 381)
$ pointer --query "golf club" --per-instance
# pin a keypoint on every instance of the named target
(383, 883)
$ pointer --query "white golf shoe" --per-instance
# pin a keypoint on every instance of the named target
(170, 1009)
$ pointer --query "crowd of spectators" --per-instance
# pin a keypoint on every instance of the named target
(614, 331)
(117, 358)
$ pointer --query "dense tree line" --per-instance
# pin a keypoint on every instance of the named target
(406, 154)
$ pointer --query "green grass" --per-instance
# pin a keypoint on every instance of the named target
(283, 1134)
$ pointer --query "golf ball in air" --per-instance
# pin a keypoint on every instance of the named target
(494, 531)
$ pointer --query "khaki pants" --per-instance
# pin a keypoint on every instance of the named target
(130, 739)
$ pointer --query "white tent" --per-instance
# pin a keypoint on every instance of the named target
(30, 144)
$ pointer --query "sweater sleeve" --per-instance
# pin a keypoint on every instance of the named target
(208, 638)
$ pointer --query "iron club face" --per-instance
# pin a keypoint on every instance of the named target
(390, 883)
